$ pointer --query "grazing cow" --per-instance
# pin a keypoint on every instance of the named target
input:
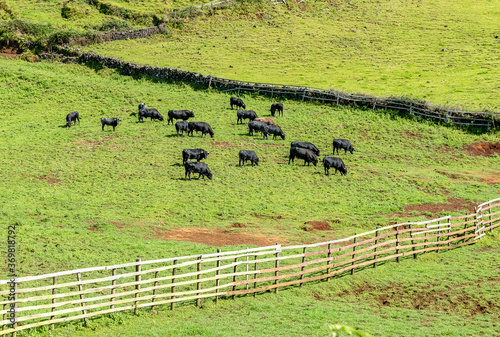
(306, 145)
(275, 131)
(110, 121)
(197, 154)
(200, 126)
(268, 121)
(238, 102)
(197, 167)
(335, 163)
(256, 126)
(151, 113)
(72, 117)
(179, 114)
(248, 155)
(245, 114)
(181, 126)
(277, 107)
(307, 155)
(342, 144)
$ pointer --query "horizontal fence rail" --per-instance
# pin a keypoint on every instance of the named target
(80, 294)
(421, 110)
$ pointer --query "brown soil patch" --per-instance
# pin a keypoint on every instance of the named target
(214, 237)
(412, 135)
(483, 149)
(10, 52)
(272, 144)
(309, 226)
(50, 180)
(261, 216)
(453, 204)
(452, 299)
(224, 145)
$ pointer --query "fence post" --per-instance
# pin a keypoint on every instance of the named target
(113, 290)
(247, 268)
(303, 267)
(4, 316)
(155, 284)
(80, 288)
(174, 270)
(411, 108)
(353, 253)
(54, 291)
(413, 244)
(217, 280)
(489, 212)
(375, 249)
(234, 276)
(374, 104)
(210, 81)
(198, 285)
(277, 265)
(238, 89)
(255, 277)
(397, 244)
(14, 325)
(465, 233)
(138, 268)
(338, 97)
(438, 238)
(304, 95)
(329, 261)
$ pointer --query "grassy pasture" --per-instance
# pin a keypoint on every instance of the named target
(85, 197)
(442, 51)
(453, 293)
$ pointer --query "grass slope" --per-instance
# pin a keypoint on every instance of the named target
(84, 197)
(454, 293)
(442, 51)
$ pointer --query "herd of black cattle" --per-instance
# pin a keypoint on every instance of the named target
(302, 150)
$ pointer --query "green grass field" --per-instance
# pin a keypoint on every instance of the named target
(444, 52)
(83, 197)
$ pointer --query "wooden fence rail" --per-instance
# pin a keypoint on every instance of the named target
(80, 294)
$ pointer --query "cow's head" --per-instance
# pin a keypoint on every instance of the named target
(205, 154)
(190, 114)
(209, 175)
(142, 106)
(160, 118)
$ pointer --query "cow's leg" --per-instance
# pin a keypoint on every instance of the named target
(103, 127)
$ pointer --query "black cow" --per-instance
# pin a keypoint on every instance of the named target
(151, 113)
(248, 155)
(179, 114)
(238, 102)
(275, 131)
(110, 121)
(257, 126)
(307, 155)
(197, 154)
(342, 144)
(245, 114)
(181, 126)
(200, 126)
(72, 117)
(335, 163)
(197, 167)
(306, 145)
(277, 107)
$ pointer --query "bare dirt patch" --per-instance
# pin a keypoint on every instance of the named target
(452, 299)
(10, 52)
(50, 179)
(310, 226)
(483, 149)
(224, 145)
(215, 237)
(453, 204)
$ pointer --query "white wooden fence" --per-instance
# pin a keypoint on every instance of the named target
(188, 280)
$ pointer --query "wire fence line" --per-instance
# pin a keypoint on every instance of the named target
(46, 300)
